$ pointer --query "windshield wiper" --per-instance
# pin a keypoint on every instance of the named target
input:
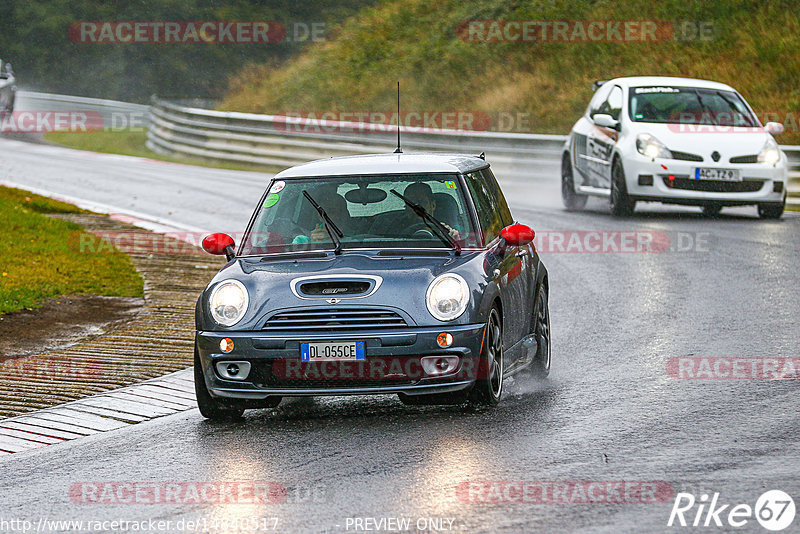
(329, 225)
(432, 222)
(708, 110)
(732, 104)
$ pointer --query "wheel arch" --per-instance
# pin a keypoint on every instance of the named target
(542, 281)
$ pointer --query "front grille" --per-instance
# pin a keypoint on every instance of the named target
(334, 319)
(685, 156)
(714, 186)
(276, 374)
(753, 158)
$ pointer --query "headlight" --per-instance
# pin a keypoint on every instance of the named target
(651, 147)
(228, 302)
(447, 297)
(770, 154)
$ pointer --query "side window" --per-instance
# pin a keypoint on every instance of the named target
(598, 99)
(613, 104)
(485, 203)
(499, 199)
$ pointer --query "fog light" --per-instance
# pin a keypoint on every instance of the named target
(645, 179)
(233, 370)
(226, 345)
(444, 340)
(439, 365)
(777, 187)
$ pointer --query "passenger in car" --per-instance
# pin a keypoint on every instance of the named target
(336, 207)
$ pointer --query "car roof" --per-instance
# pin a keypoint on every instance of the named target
(641, 81)
(386, 164)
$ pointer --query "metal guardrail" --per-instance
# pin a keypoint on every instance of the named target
(793, 187)
(280, 141)
(284, 141)
(35, 101)
(277, 141)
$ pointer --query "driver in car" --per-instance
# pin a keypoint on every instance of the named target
(421, 194)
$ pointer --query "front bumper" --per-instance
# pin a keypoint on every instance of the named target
(392, 363)
(760, 183)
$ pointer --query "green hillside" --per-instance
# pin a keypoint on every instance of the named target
(752, 45)
(37, 37)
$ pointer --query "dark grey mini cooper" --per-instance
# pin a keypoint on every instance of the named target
(382, 274)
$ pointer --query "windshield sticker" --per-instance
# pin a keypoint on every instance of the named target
(450, 184)
(277, 187)
(271, 200)
(640, 90)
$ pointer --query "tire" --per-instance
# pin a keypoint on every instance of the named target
(571, 199)
(712, 210)
(772, 210)
(619, 201)
(488, 387)
(540, 367)
(210, 407)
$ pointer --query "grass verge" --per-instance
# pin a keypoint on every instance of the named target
(40, 257)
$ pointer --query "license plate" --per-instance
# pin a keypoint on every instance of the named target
(723, 175)
(332, 351)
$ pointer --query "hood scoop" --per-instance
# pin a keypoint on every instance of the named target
(339, 287)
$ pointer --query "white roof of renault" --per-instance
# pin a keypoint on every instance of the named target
(647, 81)
(386, 164)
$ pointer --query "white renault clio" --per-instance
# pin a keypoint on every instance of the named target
(673, 140)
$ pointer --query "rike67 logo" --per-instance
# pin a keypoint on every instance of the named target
(774, 510)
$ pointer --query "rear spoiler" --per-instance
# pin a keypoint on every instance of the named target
(597, 84)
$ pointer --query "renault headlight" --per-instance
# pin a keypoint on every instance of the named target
(228, 302)
(447, 297)
(770, 153)
(649, 146)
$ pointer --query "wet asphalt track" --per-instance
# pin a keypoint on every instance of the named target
(608, 412)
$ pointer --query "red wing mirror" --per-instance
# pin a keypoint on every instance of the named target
(517, 235)
(219, 244)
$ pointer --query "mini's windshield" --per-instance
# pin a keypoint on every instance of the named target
(364, 209)
(689, 105)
